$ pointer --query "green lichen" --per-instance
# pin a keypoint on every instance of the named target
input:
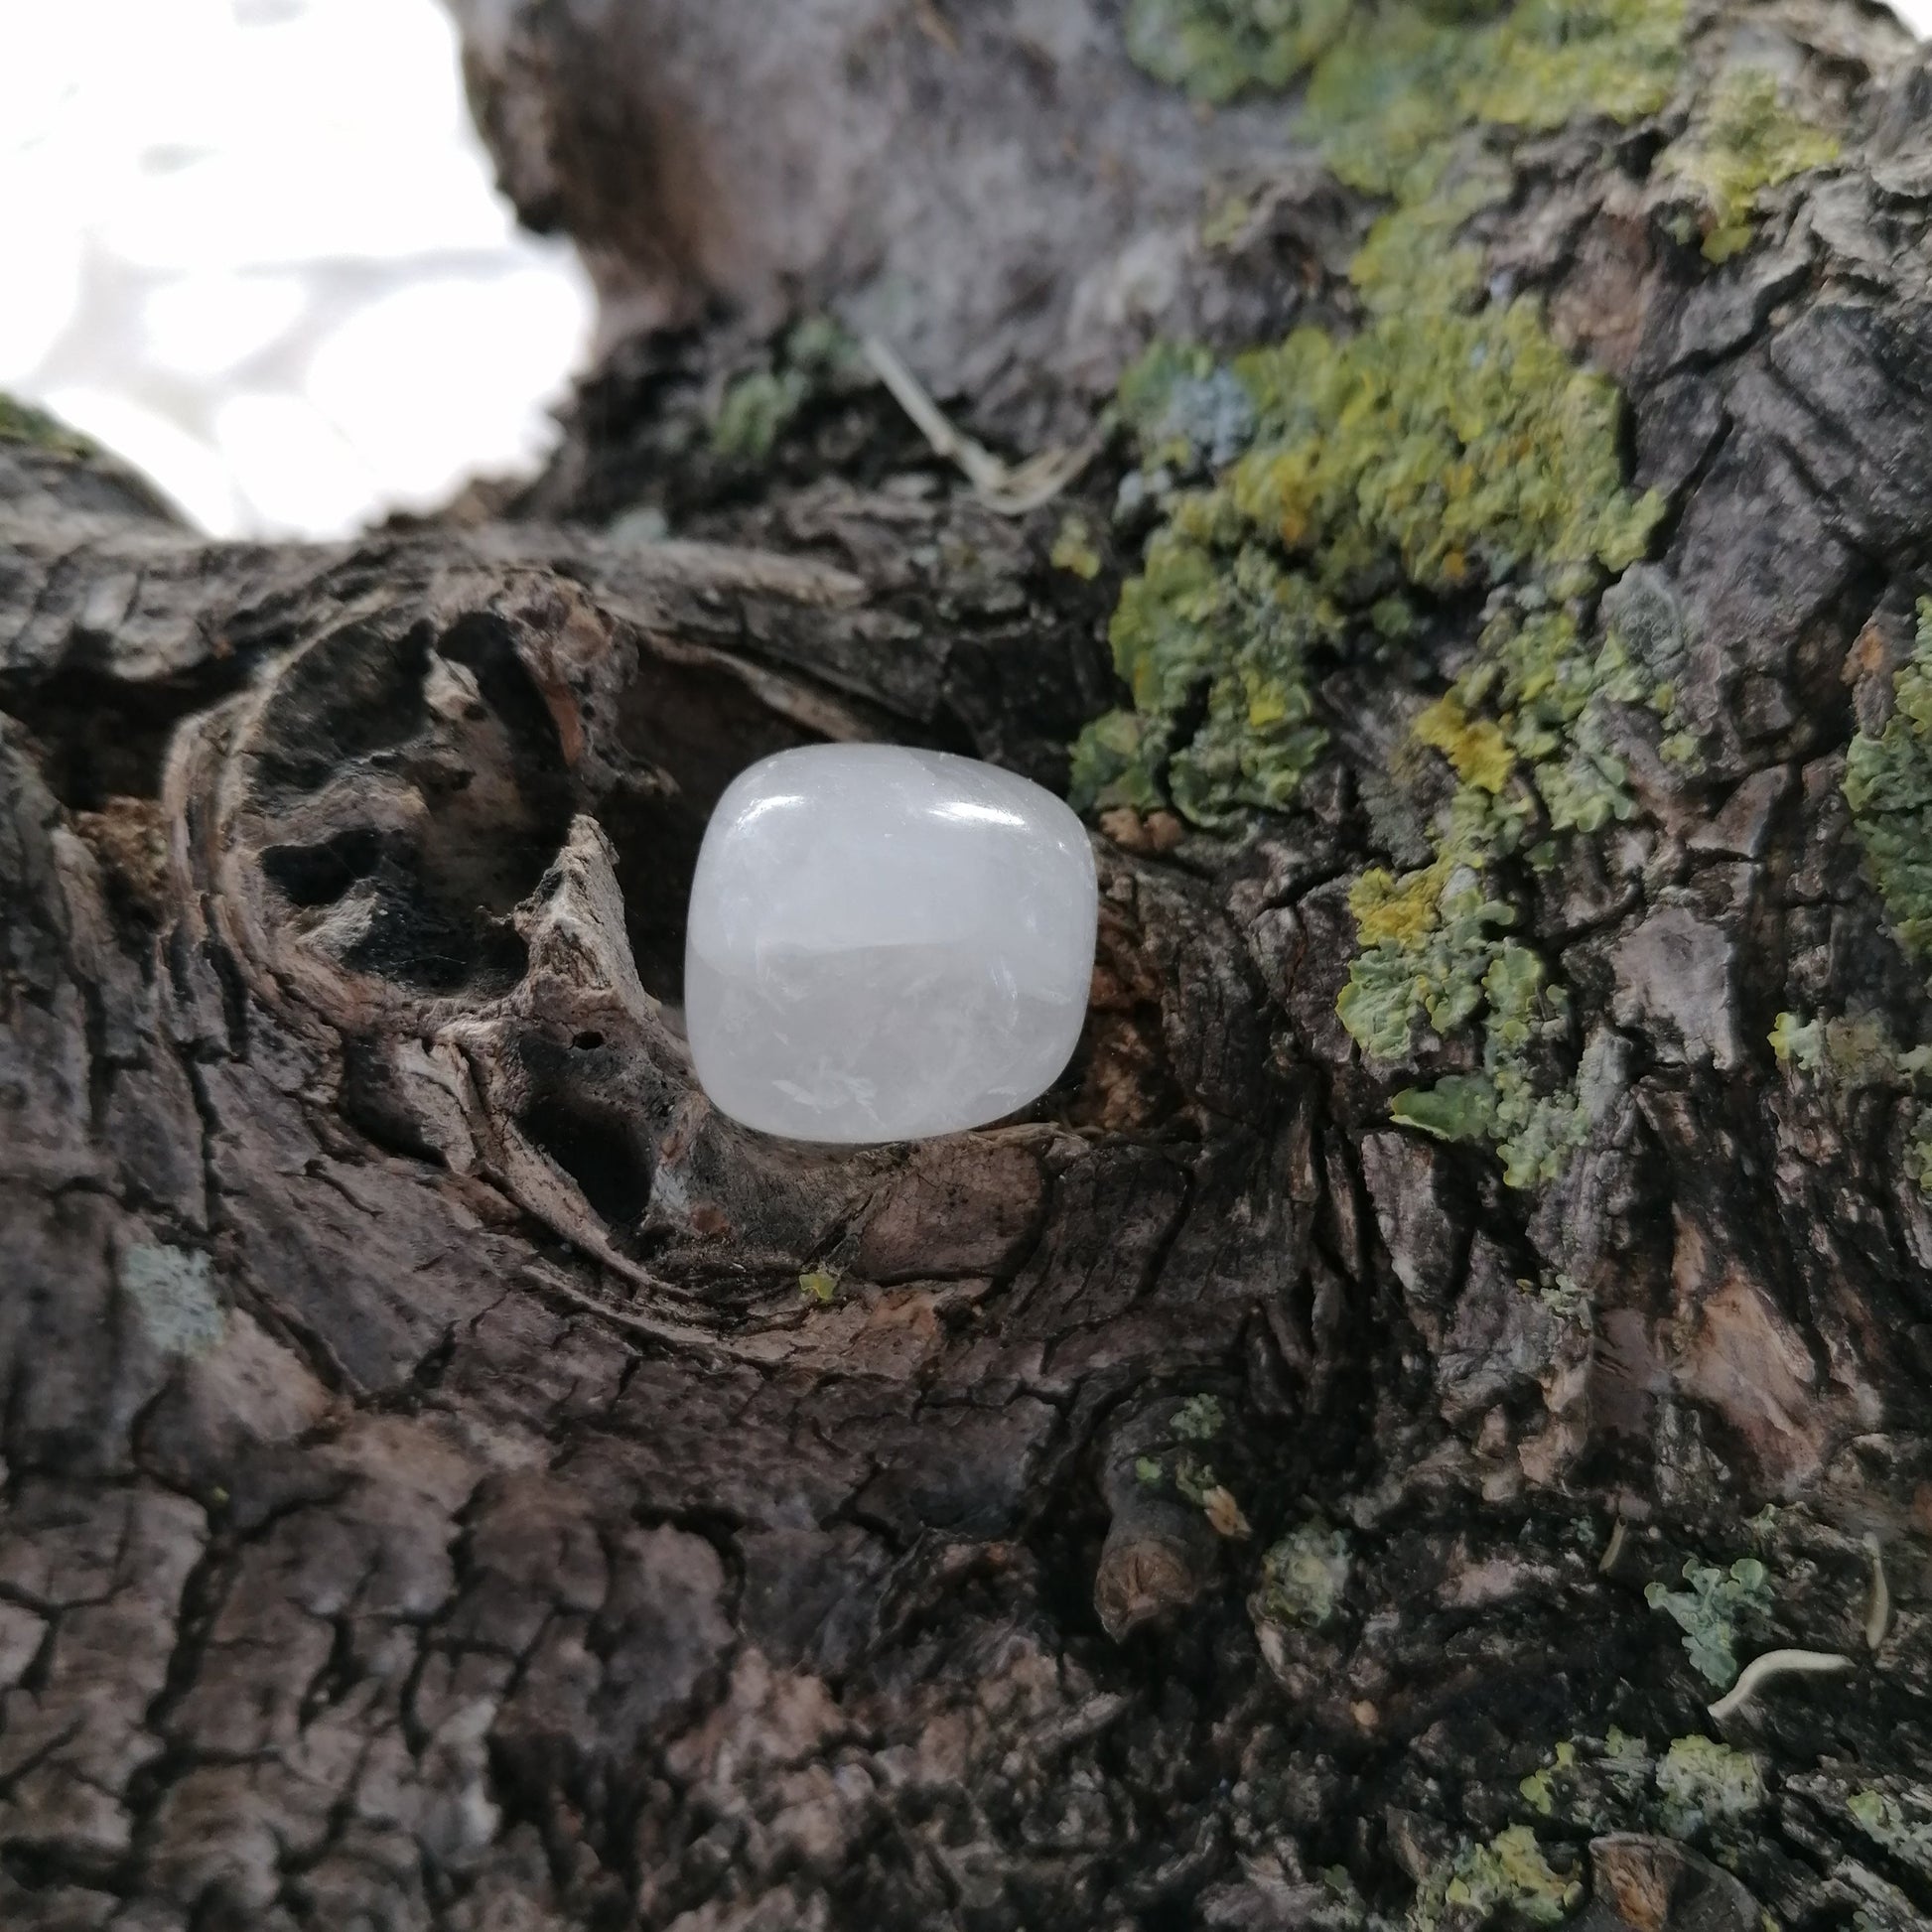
(1888, 789)
(1843, 1054)
(1196, 1484)
(1398, 88)
(1560, 1293)
(1548, 62)
(1194, 1478)
(1443, 446)
(1411, 258)
(1459, 1107)
(1918, 1150)
(1901, 1823)
(21, 422)
(1327, 497)
(1527, 731)
(1437, 949)
(1178, 1461)
(1475, 747)
(1849, 1052)
(1435, 451)
(1697, 1788)
(1073, 547)
(1538, 1789)
(1199, 1419)
(1555, 1790)
(1118, 761)
(818, 1285)
(1533, 714)
(1217, 47)
(1422, 455)
(1305, 1576)
(1188, 412)
(1412, 102)
(1209, 611)
(755, 410)
(1798, 1044)
(1708, 1613)
(1508, 1875)
(1227, 222)
(1746, 139)
(1701, 1783)
(1888, 786)
(760, 406)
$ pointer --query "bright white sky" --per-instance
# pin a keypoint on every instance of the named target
(253, 245)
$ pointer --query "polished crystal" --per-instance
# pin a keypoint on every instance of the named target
(886, 943)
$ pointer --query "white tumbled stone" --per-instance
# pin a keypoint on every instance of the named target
(886, 943)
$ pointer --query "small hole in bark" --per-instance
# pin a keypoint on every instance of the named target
(432, 903)
(319, 875)
(485, 644)
(355, 694)
(425, 943)
(587, 1043)
(499, 811)
(598, 1151)
(106, 740)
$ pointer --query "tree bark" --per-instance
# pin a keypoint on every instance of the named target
(453, 1479)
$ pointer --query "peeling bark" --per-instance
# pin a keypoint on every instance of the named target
(431, 1499)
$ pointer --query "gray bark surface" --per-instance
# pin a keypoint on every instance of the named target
(430, 1499)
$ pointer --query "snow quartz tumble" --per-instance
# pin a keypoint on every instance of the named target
(886, 943)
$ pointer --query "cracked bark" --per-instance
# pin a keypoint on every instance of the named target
(430, 1500)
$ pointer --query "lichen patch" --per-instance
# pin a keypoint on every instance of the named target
(171, 1292)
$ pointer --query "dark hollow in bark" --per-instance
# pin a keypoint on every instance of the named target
(430, 1496)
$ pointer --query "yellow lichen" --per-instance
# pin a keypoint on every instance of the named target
(1747, 139)
(1336, 494)
(1074, 549)
(1475, 747)
(1396, 911)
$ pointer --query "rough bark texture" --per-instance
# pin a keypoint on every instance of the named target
(431, 1499)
